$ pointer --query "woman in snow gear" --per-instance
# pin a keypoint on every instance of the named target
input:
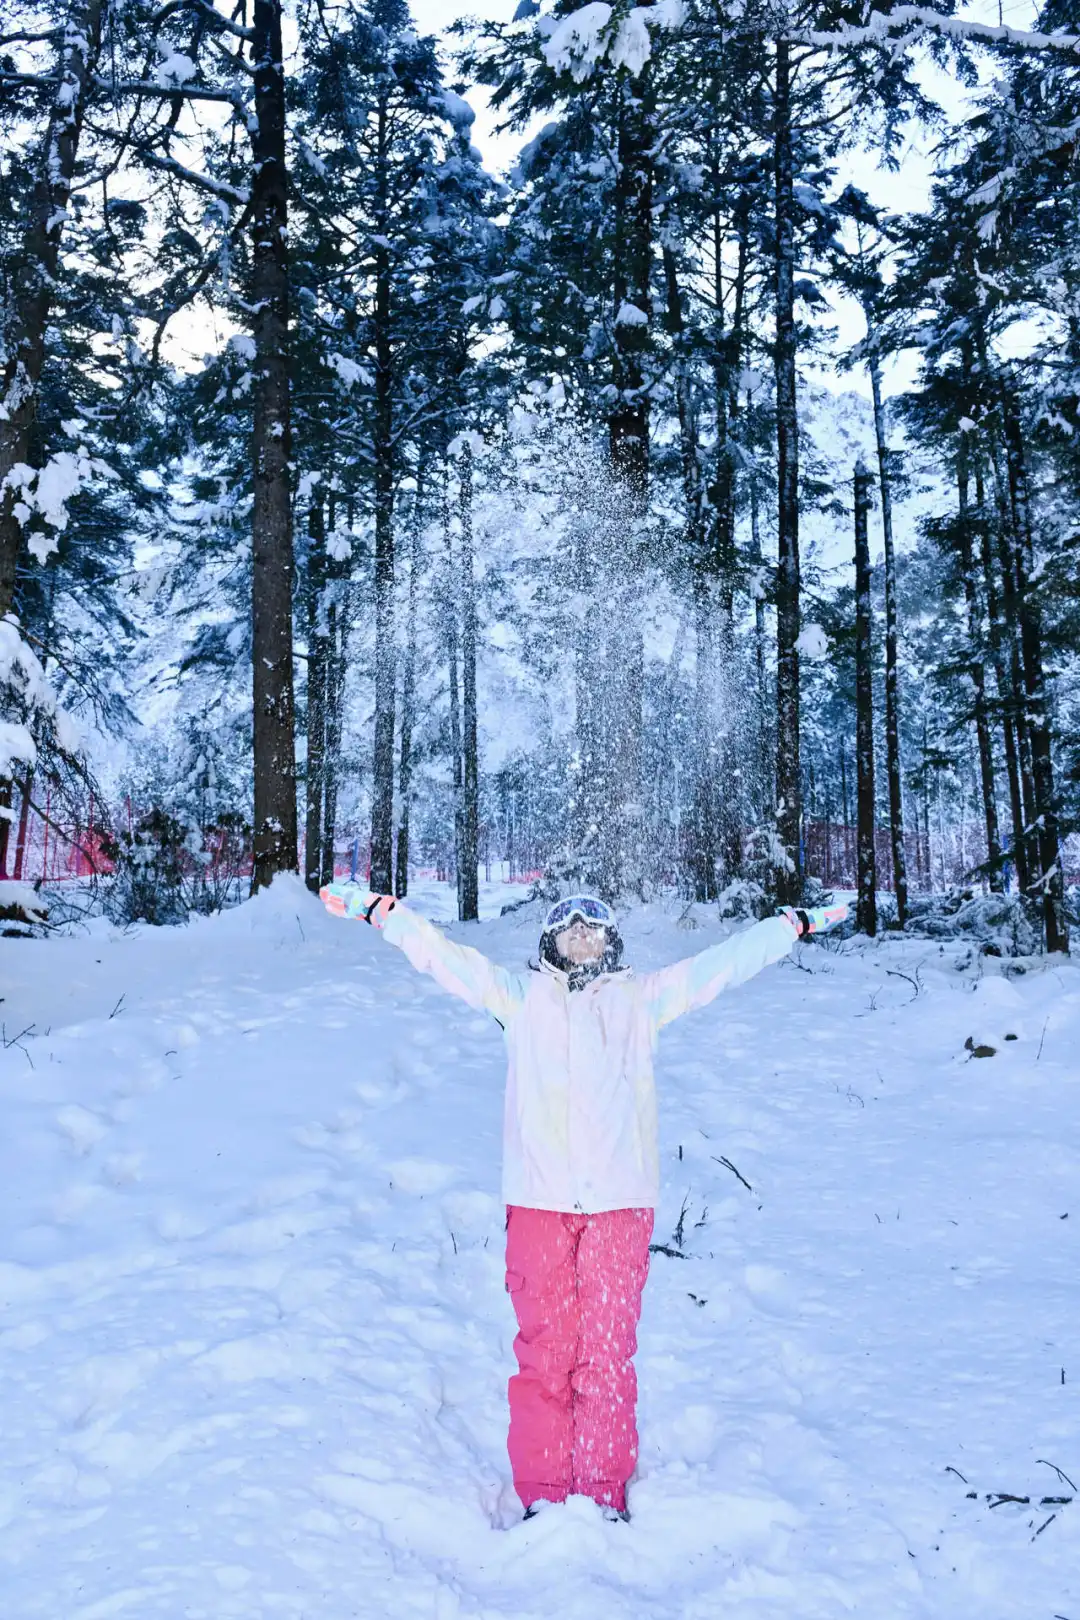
(581, 1170)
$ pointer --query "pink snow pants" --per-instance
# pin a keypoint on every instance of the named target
(576, 1283)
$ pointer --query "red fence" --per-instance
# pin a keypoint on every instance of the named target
(47, 847)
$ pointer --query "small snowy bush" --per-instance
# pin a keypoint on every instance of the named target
(148, 880)
(1002, 924)
(743, 900)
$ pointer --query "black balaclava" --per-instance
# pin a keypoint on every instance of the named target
(580, 974)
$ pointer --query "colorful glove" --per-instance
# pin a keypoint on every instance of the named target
(358, 904)
(817, 921)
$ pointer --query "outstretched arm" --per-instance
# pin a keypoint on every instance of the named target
(687, 985)
(458, 969)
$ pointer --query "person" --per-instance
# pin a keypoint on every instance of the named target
(581, 1172)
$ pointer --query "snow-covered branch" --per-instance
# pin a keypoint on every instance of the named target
(189, 92)
(916, 20)
(591, 36)
(216, 188)
(207, 10)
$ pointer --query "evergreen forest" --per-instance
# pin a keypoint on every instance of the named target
(661, 510)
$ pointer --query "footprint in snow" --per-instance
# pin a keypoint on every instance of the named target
(420, 1176)
(82, 1129)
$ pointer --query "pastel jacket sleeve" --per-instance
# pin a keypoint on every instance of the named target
(693, 983)
(458, 969)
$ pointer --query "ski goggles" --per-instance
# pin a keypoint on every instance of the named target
(590, 910)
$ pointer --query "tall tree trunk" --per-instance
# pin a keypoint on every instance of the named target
(866, 906)
(315, 592)
(336, 665)
(628, 421)
(701, 856)
(408, 698)
(892, 666)
(973, 596)
(701, 853)
(382, 774)
(589, 803)
(272, 538)
(1006, 700)
(628, 441)
(788, 767)
(1049, 881)
(766, 797)
(727, 346)
(34, 282)
(1008, 561)
(450, 609)
(845, 807)
(337, 651)
(929, 854)
(470, 767)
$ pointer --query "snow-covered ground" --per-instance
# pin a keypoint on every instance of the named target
(254, 1339)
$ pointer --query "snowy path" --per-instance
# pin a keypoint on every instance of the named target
(254, 1338)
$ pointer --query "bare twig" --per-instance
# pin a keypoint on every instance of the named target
(894, 973)
(118, 1006)
(1060, 1472)
(680, 1224)
(949, 1469)
(736, 1173)
(15, 1039)
(1042, 1038)
(1043, 1526)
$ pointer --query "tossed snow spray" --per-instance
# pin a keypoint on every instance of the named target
(642, 667)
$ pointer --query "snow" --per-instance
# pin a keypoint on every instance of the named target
(255, 1338)
(175, 69)
(27, 685)
(812, 642)
(456, 109)
(48, 490)
(350, 371)
(579, 42)
(16, 745)
(632, 47)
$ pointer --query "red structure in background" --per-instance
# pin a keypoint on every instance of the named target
(40, 847)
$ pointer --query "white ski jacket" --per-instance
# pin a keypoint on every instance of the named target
(580, 1130)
